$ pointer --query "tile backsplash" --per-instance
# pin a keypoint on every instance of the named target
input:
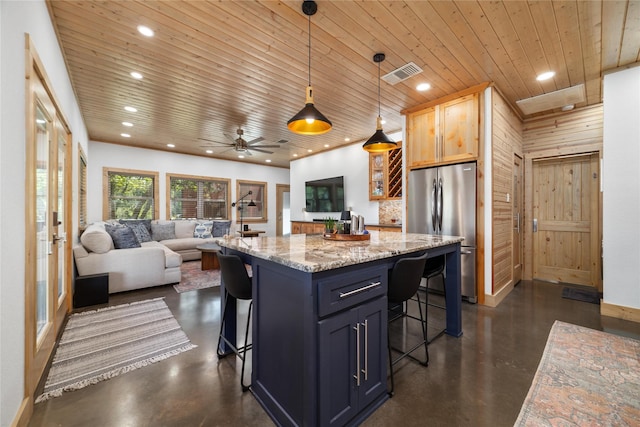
(388, 210)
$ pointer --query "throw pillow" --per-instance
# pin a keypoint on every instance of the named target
(145, 222)
(163, 231)
(220, 228)
(203, 230)
(123, 237)
(140, 231)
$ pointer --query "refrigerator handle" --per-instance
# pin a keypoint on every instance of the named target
(434, 218)
(440, 204)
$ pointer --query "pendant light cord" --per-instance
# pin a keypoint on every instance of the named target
(309, 50)
(379, 88)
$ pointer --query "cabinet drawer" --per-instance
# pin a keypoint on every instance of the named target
(345, 290)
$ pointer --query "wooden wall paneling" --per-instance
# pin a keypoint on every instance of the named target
(506, 140)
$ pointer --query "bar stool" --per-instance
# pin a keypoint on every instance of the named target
(404, 281)
(238, 284)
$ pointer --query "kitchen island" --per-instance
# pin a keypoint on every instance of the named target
(319, 334)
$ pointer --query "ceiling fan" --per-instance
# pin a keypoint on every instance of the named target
(240, 145)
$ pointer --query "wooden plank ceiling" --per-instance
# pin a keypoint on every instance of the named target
(214, 67)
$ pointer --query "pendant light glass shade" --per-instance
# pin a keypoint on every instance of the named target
(379, 141)
(309, 121)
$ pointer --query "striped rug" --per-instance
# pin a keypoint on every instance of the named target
(101, 344)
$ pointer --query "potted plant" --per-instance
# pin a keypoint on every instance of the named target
(329, 225)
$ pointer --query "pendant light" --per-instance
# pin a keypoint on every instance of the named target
(309, 121)
(379, 142)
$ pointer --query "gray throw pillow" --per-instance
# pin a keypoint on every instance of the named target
(123, 237)
(220, 228)
(140, 231)
(145, 222)
(163, 231)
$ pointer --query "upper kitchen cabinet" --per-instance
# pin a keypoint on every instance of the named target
(445, 131)
(385, 175)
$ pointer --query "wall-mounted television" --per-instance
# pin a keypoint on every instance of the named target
(325, 195)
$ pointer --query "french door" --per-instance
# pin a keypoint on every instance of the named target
(47, 266)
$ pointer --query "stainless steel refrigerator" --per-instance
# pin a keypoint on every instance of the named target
(442, 200)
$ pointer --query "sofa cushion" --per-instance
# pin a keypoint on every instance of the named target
(123, 236)
(184, 228)
(171, 259)
(182, 244)
(163, 231)
(141, 232)
(96, 239)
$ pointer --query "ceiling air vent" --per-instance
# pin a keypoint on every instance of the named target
(402, 73)
(549, 101)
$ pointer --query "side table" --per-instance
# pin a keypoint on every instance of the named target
(91, 290)
(209, 256)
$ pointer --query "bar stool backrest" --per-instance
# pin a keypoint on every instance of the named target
(235, 277)
(405, 277)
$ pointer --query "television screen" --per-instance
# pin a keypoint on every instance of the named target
(325, 195)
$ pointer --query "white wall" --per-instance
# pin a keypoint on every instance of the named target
(352, 162)
(16, 19)
(118, 156)
(621, 184)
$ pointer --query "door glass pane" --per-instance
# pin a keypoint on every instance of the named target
(61, 212)
(42, 195)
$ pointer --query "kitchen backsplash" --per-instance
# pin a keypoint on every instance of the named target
(388, 210)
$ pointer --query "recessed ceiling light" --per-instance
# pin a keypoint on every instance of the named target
(326, 145)
(171, 145)
(423, 86)
(347, 139)
(209, 151)
(295, 155)
(545, 76)
(136, 75)
(309, 150)
(568, 107)
(131, 109)
(127, 124)
(145, 31)
(240, 156)
(125, 135)
(268, 160)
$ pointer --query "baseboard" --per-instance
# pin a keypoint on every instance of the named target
(494, 300)
(24, 413)
(620, 311)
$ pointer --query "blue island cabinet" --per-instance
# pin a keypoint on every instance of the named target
(320, 342)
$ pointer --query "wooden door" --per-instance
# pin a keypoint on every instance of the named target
(421, 138)
(48, 218)
(565, 208)
(459, 129)
(517, 240)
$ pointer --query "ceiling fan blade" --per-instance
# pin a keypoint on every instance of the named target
(216, 142)
(248, 153)
(262, 151)
(264, 146)
(230, 138)
(255, 141)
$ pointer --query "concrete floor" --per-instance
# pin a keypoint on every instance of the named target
(480, 379)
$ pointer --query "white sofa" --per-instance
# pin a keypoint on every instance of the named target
(153, 263)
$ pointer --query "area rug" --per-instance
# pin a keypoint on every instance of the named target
(578, 294)
(101, 344)
(194, 278)
(585, 378)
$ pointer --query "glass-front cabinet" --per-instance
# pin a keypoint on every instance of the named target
(385, 175)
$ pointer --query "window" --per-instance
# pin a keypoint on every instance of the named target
(82, 188)
(198, 197)
(129, 194)
(257, 213)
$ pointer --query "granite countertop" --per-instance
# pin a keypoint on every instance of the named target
(312, 253)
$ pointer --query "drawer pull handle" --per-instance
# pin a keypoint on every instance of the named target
(356, 291)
